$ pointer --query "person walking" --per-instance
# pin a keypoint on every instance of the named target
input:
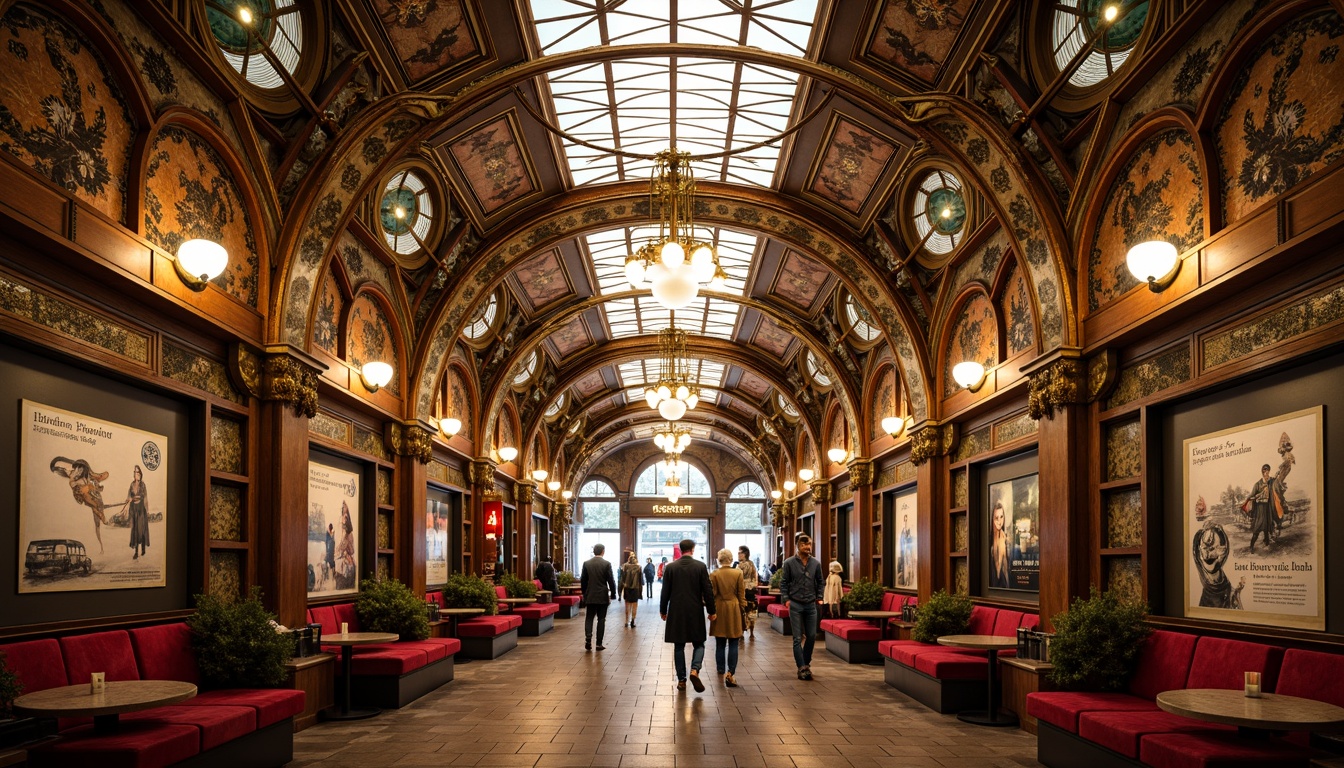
(801, 587)
(545, 573)
(686, 596)
(749, 581)
(730, 601)
(632, 586)
(598, 587)
(649, 572)
(661, 566)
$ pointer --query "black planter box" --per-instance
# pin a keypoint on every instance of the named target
(21, 730)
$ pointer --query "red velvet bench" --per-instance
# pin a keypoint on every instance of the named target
(1102, 730)
(950, 680)
(779, 618)
(855, 640)
(568, 605)
(489, 637)
(538, 618)
(226, 727)
(388, 675)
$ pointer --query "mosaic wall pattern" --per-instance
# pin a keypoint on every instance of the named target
(330, 428)
(1124, 450)
(906, 470)
(455, 476)
(508, 434)
(1015, 428)
(1124, 519)
(975, 336)
(885, 478)
(370, 337)
(362, 267)
(1124, 576)
(384, 530)
(973, 444)
(226, 513)
(961, 532)
(1151, 376)
(961, 576)
(836, 437)
(960, 489)
(226, 446)
(61, 112)
(1271, 138)
(190, 193)
(385, 486)
(44, 309)
(913, 39)
(883, 403)
(1322, 308)
(384, 567)
(330, 310)
(437, 470)
(226, 575)
(428, 37)
(1156, 196)
(200, 372)
(371, 443)
(1015, 309)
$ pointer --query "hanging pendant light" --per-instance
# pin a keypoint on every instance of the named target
(674, 263)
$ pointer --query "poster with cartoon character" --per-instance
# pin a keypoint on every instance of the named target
(1253, 521)
(333, 531)
(93, 495)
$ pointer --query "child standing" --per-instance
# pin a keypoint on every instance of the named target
(834, 591)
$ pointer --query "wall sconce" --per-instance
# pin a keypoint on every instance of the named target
(969, 374)
(776, 495)
(837, 455)
(507, 454)
(539, 475)
(1155, 262)
(566, 494)
(806, 474)
(200, 261)
(789, 485)
(553, 486)
(376, 375)
(894, 426)
(450, 427)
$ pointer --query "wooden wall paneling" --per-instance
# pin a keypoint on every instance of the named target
(933, 539)
(409, 494)
(283, 480)
(1065, 536)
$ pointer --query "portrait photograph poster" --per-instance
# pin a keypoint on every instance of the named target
(333, 530)
(1254, 499)
(907, 538)
(436, 542)
(1014, 541)
(93, 497)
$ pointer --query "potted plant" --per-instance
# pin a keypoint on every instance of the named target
(777, 578)
(942, 614)
(467, 590)
(564, 579)
(864, 595)
(516, 587)
(1097, 642)
(387, 605)
(238, 644)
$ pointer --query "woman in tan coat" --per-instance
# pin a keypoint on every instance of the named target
(729, 600)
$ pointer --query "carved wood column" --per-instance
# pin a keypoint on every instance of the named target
(821, 531)
(285, 380)
(413, 446)
(523, 494)
(861, 480)
(482, 484)
(929, 447)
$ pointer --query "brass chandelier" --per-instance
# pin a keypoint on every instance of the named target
(672, 439)
(675, 392)
(674, 264)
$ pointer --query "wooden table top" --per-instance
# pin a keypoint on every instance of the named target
(118, 696)
(983, 642)
(517, 600)
(460, 611)
(544, 592)
(359, 638)
(1274, 712)
(874, 614)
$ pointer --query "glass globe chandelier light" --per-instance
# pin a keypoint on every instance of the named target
(675, 392)
(674, 264)
(672, 439)
(673, 489)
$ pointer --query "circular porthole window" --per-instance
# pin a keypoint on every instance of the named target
(406, 212)
(938, 212)
(860, 322)
(245, 29)
(1098, 24)
(483, 320)
(525, 373)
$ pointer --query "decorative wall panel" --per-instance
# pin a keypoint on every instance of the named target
(1124, 576)
(1315, 311)
(384, 567)
(886, 477)
(384, 529)
(330, 312)
(459, 399)
(906, 470)
(39, 307)
(227, 452)
(961, 576)
(1015, 309)
(199, 372)
(883, 403)
(960, 488)
(1015, 428)
(1124, 450)
(370, 442)
(961, 532)
(1151, 376)
(973, 444)
(1124, 519)
(226, 513)
(369, 337)
(974, 337)
(226, 575)
(330, 427)
(384, 486)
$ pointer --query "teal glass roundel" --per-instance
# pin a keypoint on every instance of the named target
(946, 210)
(1124, 32)
(401, 197)
(229, 32)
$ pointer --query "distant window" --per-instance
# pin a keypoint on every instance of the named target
(601, 514)
(739, 516)
(859, 321)
(787, 407)
(1075, 24)
(652, 480)
(939, 212)
(596, 489)
(483, 320)
(406, 212)
(529, 368)
(747, 490)
(556, 407)
(816, 371)
(278, 22)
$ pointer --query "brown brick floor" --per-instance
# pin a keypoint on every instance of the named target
(547, 703)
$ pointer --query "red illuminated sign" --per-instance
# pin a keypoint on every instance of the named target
(492, 514)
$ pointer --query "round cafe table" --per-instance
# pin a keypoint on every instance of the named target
(991, 644)
(106, 706)
(544, 595)
(347, 641)
(452, 614)
(512, 601)
(1254, 717)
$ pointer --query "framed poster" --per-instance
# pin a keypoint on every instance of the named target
(906, 518)
(1013, 541)
(333, 530)
(1254, 500)
(93, 495)
(436, 542)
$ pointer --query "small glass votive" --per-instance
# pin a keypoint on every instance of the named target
(345, 628)
(1253, 685)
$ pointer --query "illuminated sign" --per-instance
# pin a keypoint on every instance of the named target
(492, 513)
(673, 509)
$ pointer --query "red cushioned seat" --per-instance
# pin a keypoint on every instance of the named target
(856, 633)
(326, 616)
(271, 705)
(1005, 624)
(953, 666)
(1030, 621)
(345, 613)
(37, 664)
(1121, 731)
(779, 609)
(388, 661)
(486, 626)
(107, 652)
(1219, 750)
(433, 651)
(450, 645)
(536, 611)
(435, 598)
(217, 724)
(1220, 663)
(1062, 708)
(1164, 664)
(891, 601)
(906, 651)
(134, 745)
(766, 600)
(1312, 675)
(164, 652)
(982, 620)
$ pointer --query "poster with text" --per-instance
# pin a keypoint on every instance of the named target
(93, 497)
(436, 542)
(333, 531)
(1014, 541)
(1254, 496)
(906, 517)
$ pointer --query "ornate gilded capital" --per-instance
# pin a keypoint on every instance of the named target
(821, 492)
(483, 473)
(523, 491)
(861, 473)
(409, 439)
(932, 440)
(1062, 382)
(289, 381)
(245, 369)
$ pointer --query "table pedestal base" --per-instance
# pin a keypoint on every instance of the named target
(106, 724)
(336, 713)
(994, 719)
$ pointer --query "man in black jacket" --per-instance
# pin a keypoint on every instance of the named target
(649, 571)
(545, 573)
(599, 589)
(685, 598)
(801, 587)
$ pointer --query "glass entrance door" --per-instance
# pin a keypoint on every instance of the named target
(657, 537)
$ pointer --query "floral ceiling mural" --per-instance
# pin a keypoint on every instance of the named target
(912, 38)
(772, 338)
(800, 280)
(1015, 309)
(492, 163)
(571, 337)
(429, 36)
(459, 400)
(975, 337)
(369, 337)
(852, 161)
(883, 403)
(330, 311)
(542, 279)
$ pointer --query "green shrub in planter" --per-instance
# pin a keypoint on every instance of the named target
(10, 688)
(942, 614)
(236, 643)
(777, 578)
(387, 605)
(564, 579)
(865, 595)
(1097, 642)
(516, 587)
(467, 590)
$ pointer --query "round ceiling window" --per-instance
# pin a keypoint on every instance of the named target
(938, 212)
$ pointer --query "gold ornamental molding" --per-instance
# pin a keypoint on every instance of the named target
(483, 474)
(861, 473)
(523, 491)
(410, 439)
(280, 373)
(932, 440)
(821, 492)
(1057, 383)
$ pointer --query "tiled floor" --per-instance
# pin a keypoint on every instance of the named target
(548, 703)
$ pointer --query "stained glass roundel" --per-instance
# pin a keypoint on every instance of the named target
(405, 212)
(939, 212)
(241, 26)
(1074, 26)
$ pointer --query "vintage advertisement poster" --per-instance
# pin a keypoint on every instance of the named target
(1253, 520)
(1014, 543)
(907, 538)
(436, 542)
(93, 498)
(333, 531)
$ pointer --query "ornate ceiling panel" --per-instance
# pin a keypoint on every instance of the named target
(428, 40)
(801, 281)
(911, 41)
(773, 339)
(571, 337)
(542, 279)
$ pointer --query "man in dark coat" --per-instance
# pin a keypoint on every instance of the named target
(685, 598)
(545, 573)
(649, 571)
(599, 589)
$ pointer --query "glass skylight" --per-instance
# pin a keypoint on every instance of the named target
(529, 368)
(635, 374)
(939, 212)
(278, 22)
(1076, 22)
(859, 320)
(484, 319)
(645, 105)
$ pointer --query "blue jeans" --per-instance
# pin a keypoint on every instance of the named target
(803, 616)
(728, 644)
(697, 658)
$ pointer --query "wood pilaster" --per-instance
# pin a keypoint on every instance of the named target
(414, 449)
